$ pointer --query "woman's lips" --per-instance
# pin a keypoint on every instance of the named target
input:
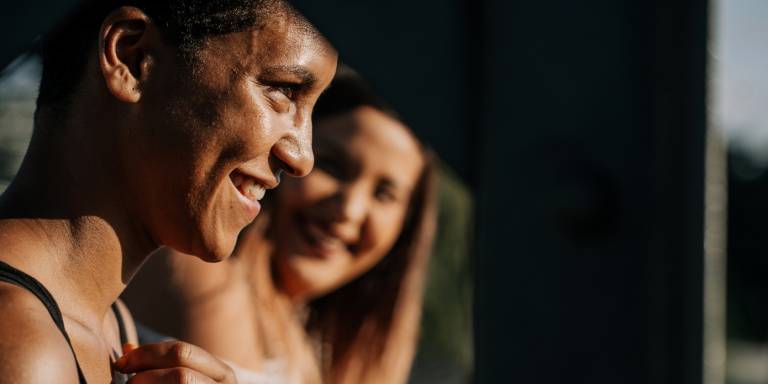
(319, 241)
(249, 193)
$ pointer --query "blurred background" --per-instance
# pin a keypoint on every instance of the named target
(742, 82)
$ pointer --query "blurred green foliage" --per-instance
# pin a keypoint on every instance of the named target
(446, 326)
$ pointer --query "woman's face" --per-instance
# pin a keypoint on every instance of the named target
(211, 141)
(339, 221)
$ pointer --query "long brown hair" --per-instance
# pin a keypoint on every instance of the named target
(365, 331)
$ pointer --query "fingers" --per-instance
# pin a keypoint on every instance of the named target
(174, 358)
(128, 347)
(173, 376)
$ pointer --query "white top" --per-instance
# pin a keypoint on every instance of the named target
(273, 371)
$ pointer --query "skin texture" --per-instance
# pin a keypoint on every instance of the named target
(367, 164)
(144, 160)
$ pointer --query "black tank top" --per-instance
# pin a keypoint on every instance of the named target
(13, 276)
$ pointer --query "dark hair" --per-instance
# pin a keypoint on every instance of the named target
(348, 91)
(183, 23)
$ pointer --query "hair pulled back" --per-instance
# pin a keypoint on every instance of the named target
(185, 24)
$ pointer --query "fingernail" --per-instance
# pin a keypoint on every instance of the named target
(127, 347)
(120, 364)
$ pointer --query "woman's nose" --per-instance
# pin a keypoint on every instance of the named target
(294, 151)
(352, 204)
(348, 211)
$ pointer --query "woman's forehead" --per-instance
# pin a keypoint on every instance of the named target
(278, 43)
(367, 124)
(370, 136)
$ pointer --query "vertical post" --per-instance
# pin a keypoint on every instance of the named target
(715, 224)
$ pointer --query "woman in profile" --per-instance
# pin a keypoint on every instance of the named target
(326, 285)
(147, 115)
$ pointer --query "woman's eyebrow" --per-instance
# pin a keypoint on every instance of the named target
(307, 77)
(389, 182)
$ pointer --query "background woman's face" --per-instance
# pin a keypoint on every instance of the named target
(342, 219)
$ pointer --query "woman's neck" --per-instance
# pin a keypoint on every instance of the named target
(63, 221)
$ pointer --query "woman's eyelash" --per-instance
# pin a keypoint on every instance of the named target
(288, 89)
(386, 195)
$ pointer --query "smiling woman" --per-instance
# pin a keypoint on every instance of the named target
(148, 114)
(326, 285)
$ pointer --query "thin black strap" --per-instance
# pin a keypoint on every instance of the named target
(120, 324)
(13, 276)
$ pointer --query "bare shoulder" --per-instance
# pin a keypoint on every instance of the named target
(32, 348)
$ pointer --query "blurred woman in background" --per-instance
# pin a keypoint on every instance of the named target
(326, 285)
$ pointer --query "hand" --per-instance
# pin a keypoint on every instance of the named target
(173, 362)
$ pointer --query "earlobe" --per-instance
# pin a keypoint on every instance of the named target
(123, 52)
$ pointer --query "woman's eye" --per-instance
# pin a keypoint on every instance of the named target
(287, 89)
(288, 92)
(384, 195)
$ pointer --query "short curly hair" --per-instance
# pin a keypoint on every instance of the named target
(183, 23)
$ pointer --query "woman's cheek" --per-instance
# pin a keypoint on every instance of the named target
(385, 228)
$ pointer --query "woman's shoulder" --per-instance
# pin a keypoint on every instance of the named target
(32, 347)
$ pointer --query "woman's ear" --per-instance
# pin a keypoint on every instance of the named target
(125, 38)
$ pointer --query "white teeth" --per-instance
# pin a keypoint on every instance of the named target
(321, 237)
(249, 187)
(258, 191)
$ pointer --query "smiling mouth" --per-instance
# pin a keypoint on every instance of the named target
(247, 186)
(321, 242)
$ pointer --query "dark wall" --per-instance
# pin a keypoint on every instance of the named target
(581, 126)
(414, 54)
(591, 205)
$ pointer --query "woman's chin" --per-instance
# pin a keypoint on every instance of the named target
(311, 273)
(214, 252)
